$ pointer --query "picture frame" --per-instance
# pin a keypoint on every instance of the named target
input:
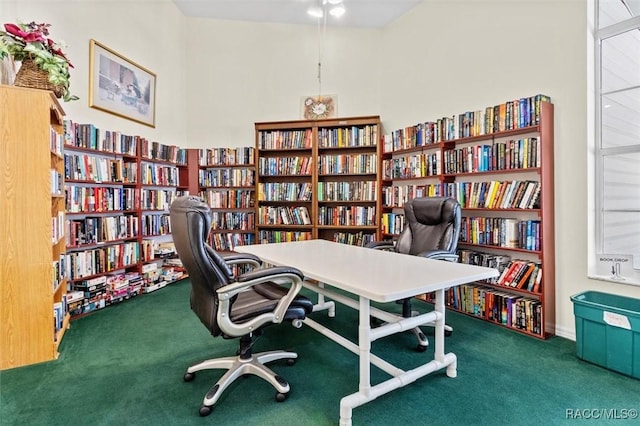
(120, 86)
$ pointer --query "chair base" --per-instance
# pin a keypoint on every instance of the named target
(423, 342)
(238, 366)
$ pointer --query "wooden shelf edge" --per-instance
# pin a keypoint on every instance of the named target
(66, 323)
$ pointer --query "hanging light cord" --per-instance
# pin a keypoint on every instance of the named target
(322, 31)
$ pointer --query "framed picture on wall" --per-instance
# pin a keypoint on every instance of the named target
(119, 86)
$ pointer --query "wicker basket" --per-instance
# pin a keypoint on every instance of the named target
(30, 75)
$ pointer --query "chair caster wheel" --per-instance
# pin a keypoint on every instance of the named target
(280, 397)
(448, 333)
(291, 361)
(205, 411)
(421, 348)
(189, 377)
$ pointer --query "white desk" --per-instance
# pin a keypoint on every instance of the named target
(380, 276)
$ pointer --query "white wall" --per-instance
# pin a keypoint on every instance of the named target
(216, 78)
(150, 33)
(240, 73)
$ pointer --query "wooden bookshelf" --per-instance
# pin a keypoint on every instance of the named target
(32, 285)
(188, 172)
(227, 184)
(319, 179)
(119, 189)
(498, 163)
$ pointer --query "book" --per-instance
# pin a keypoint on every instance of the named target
(532, 277)
(537, 286)
(507, 272)
(499, 194)
(512, 279)
(522, 279)
(493, 189)
(517, 196)
(511, 233)
(513, 185)
(524, 201)
(533, 200)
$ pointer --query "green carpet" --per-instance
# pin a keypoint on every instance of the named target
(124, 366)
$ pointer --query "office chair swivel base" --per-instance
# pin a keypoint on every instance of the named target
(423, 342)
(237, 367)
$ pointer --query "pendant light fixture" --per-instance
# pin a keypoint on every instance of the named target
(320, 10)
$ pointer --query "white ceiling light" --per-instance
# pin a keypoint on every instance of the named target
(315, 11)
(337, 10)
(334, 7)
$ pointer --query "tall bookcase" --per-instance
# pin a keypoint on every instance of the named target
(158, 186)
(102, 223)
(319, 179)
(227, 184)
(33, 317)
(498, 163)
(118, 189)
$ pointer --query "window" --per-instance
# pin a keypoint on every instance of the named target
(616, 254)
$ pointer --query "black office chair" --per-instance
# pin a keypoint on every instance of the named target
(432, 230)
(234, 306)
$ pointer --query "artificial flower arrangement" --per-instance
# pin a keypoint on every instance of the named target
(317, 108)
(30, 44)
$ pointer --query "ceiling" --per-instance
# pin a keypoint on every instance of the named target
(360, 13)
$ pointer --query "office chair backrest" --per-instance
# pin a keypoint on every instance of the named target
(431, 223)
(190, 225)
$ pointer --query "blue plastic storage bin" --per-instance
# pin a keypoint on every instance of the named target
(608, 331)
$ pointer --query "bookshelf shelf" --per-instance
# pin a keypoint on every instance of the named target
(229, 187)
(498, 164)
(102, 274)
(285, 226)
(365, 202)
(360, 227)
(118, 189)
(330, 156)
(488, 209)
(226, 181)
(32, 280)
(493, 172)
(489, 246)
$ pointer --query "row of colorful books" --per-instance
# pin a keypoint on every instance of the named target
(510, 115)
(244, 155)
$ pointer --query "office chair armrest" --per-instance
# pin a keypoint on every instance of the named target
(268, 273)
(381, 245)
(439, 255)
(279, 274)
(242, 258)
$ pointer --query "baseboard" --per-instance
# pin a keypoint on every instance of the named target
(566, 333)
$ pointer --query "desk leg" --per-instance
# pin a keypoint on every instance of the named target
(400, 378)
(348, 403)
(323, 304)
(439, 355)
(364, 343)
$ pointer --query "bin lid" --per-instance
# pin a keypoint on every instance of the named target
(607, 300)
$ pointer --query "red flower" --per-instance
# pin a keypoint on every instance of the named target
(58, 51)
(28, 37)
